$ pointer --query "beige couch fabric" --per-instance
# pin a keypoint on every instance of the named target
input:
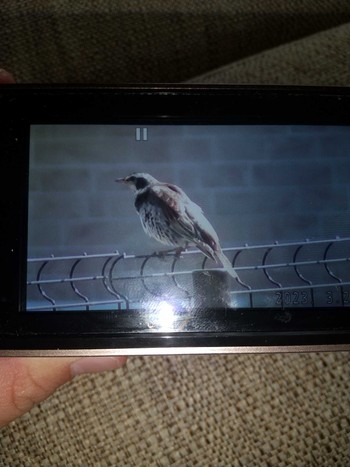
(158, 40)
(239, 410)
(323, 59)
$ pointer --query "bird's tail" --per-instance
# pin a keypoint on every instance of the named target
(226, 264)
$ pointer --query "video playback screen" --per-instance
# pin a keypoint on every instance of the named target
(172, 218)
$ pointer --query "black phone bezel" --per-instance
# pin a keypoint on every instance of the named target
(23, 105)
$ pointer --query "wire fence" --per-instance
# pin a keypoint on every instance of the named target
(297, 274)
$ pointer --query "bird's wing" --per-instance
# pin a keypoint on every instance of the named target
(186, 218)
(183, 195)
(205, 233)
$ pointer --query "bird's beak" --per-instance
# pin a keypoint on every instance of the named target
(120, 180)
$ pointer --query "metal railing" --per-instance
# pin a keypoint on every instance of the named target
(298, 274)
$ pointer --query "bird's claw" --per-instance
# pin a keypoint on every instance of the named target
(178, 252)
(162, 254)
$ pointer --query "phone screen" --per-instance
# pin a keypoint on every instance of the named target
(274, 200)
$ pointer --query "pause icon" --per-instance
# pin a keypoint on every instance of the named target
(141, 134)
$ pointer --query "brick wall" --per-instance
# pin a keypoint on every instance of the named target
(255, 184)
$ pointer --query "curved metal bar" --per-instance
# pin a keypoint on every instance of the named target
(112, 289)
(300, 275)
(105, 281)
(238, 279)
(41, 290)
(74, 287)
(271, 279)
(143, 265)
(177, 285)
(331, 273)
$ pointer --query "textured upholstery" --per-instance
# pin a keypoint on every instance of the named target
(240, 410)
(157, 40)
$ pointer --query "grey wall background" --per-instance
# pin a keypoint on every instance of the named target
(255, 184)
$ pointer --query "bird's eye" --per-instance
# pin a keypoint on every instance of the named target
(131, 179)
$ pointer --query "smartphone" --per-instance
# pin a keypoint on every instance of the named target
(174, 219)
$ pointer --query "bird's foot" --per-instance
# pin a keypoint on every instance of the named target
(160, 254)
(176, 251)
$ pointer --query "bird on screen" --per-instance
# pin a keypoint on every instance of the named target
(169, 216)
